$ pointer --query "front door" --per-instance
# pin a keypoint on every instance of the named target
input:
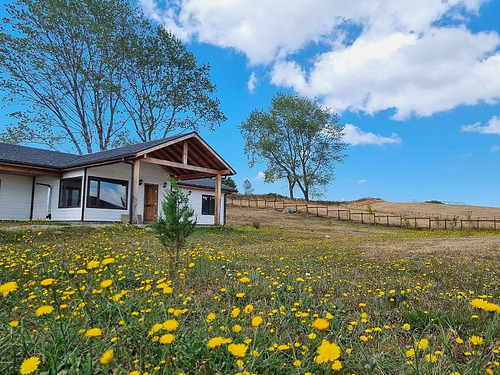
(150, 202)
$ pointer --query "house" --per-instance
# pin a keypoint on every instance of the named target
(126, 183)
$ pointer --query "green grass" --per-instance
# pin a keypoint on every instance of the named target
(379, 292)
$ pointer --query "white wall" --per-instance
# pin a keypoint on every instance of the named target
(15, 197)
(196, 201)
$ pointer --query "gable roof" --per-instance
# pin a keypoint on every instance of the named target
(205, 183)
(166, 149)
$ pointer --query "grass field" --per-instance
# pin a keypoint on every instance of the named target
(298, 295)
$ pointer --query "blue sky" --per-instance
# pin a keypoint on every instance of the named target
(416, 84)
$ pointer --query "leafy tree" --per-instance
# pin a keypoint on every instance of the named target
(167, 88)
(83, 70)
(298, 139)
(175, 223)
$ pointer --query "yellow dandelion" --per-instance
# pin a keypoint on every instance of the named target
(327, 352)
(336, 365)
(256, 321)
(48, 282)
(431, 358)
(93, 332)
(244, 279)
(422, 344)
(476, 340)
(235, 312)
(107, 357)
(170, 325)
(106, 283)
(210, 317)
(29, 365)
(240, 295)
(14, 323)
(167, 338)
(93, 264)
(236, 328)
(218, 341)
(107, 261)
(44, 310)
(248, 309)
(8, 287)
(237, 350)
(321, 324)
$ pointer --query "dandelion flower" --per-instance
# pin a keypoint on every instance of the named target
(240, 295)
(244, 279)
(237, 350)
(336, 365)
(93, 264)
(48, 282)
(167, 338)
(248, 309)
(93, 332)
(107, 261)
(235, 312)
(44, 310)
(106, 283)
(170, 325)
(327, 352)
(107, 357)
(210, 317)
(236, 328)
(406, 327)
(321, 324)
(485, 305)
(422, 344)
(29, 365)
(256, 321)
(218, 341)
(14, 323)
(431, 358)
(6, 288)
(476, 340)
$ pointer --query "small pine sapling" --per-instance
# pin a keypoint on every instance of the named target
(175, 223)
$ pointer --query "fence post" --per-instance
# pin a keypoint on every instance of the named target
(349, 214)
(445, 224)
(494, 223)
(338, 214)
(477, 225)
(317, 211)
(274, 205)
(387, 220)
(362, 218)
(430, 225)
(374, 219)
(415, 222)
(401, 221)
(327, 212)
(461, 224)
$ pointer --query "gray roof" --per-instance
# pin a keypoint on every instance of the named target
(54, 159)
(204, 183)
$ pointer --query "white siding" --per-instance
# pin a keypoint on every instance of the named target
(42, 193)
(195, 200)
(15, 197)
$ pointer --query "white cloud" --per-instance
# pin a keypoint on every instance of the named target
(493, 127)
(356, 136)
(367, 55)
(495, 149)
(260, 176)
(252, 82)
(361, 181)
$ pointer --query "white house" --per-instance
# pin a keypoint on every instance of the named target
(113, 185)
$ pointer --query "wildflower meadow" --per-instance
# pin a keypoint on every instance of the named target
(274, 300)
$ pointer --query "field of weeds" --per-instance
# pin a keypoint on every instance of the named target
(299, 295)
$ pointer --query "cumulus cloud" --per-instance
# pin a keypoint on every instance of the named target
(260, 176)
(493, 127)
(415, 57)
(356, 136)
(252, 82)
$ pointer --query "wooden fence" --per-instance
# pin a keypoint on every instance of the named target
(363, 217)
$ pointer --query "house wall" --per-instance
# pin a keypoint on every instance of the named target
(195, 201)
(15, 197)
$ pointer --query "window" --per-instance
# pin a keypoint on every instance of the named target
(107, 193)
(207, 205)
(70, 192)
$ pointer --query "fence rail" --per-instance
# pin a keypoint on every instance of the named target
(345, 214)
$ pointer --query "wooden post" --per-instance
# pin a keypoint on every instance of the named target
(218, 182)
(430, 224)
(135, 191)
(362, 218)
(387, 220)
(185, 153)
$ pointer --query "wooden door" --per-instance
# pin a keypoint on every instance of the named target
(150, 202)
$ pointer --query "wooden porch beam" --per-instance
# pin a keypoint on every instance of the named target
(135, 191)
(173, 164)
(185, 147)
(218, 182)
